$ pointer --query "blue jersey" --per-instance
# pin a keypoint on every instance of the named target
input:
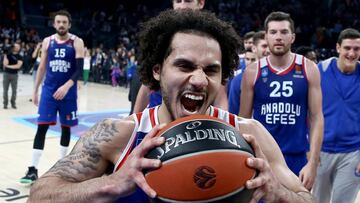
(145, 122)
(61, 65)
(155, 98)
(341, 107)
(235, 92)
(281, 103)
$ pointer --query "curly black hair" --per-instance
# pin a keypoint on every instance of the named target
(157, 34)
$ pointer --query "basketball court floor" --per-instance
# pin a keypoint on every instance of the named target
(18, 127)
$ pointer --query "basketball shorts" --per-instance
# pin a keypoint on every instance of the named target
(49, 107)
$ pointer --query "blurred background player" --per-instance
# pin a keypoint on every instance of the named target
(338, 175)
(282, 91)
(12, 62)
(259, 49)
(308, 52)
(87, 65)
(62, 59)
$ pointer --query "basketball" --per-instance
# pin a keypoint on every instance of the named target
(203, 160)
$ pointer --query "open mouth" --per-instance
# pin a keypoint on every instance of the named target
(192, 102)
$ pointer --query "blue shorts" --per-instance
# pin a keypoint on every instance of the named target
(49, 107)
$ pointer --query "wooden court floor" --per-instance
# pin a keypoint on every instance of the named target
(16, 139)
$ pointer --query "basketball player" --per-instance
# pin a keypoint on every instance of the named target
(196, 56)
(248, 42)
(282, 91)
(62, 59)
(338, 175)
(150, 98)
(260, 49)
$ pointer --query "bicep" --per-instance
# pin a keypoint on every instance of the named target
(314, 94)
(88, 159)
(44, 54)
(79, 48)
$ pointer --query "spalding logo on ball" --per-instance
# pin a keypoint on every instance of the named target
(203, 160)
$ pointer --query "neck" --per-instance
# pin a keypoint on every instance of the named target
(283, 61)
(63, 38)
(344, 68)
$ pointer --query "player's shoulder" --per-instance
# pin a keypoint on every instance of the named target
(75, 38)
(325, 64)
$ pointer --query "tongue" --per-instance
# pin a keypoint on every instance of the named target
(189, 104)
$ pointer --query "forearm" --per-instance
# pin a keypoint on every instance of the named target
(93, 190)
(39, 78)
(288, 196)
(316, 138)
(16, 66)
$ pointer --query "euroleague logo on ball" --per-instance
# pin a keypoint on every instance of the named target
(193, 125)
(205, 177)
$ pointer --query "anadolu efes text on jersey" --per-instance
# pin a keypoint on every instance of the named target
(281, 103)
(280, 112)
(59, 65)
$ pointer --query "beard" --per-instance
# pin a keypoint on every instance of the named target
(166, 100)
(281, 52)
(62, 32)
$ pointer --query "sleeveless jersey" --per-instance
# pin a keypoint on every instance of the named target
(145, 122)
(61, 65)
(281, 103)
(341, 107)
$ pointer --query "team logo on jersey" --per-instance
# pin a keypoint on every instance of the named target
(298, 72)
(68, 117)
(264, 74)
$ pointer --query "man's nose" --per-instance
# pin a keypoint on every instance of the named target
(198, 79)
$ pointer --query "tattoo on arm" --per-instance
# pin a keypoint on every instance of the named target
(85, 159)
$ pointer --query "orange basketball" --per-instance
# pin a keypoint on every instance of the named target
(203, 160)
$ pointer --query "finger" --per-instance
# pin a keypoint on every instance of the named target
(141, 182)
(258, 194)
(256, 182)
(149, 163)
(301, 176)
(257, 163)
(147, 145)
(251, 139)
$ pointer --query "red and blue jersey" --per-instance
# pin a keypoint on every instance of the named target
(281, 103)
(60, 66)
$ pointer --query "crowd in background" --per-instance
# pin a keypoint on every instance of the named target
(109, 30)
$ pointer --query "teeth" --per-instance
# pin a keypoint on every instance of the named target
(194, 97)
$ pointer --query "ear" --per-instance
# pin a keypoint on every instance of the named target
(156, 71)
(293, 38)
(338, 48)
(201, 4)
(253, 48)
